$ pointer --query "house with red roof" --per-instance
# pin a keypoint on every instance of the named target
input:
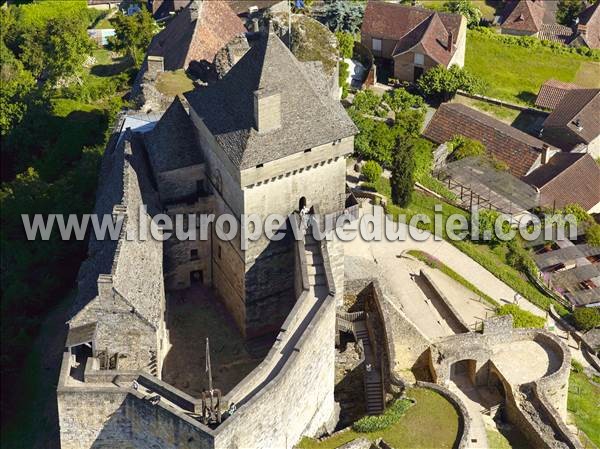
(414, 39)
(588, 27)
(523, 18)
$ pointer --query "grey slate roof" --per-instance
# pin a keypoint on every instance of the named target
(308, 118)
(135, 265)
(172, 144)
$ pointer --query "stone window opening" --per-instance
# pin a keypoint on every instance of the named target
(194, 254)
(219, 251)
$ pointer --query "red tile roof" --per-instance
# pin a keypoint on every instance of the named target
(568, 178)
(552, 92)
(197, 33)
(410, 26)
(518, 150)
(524, 15)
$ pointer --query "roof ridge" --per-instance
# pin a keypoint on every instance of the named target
(479, 114)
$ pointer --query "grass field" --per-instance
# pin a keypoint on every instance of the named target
(584, 405)
(488, 8)
(174, 83)
(516, 73)
(431, 411)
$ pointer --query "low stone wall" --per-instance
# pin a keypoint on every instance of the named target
(464, 422)
(538, 408)
(447, 305)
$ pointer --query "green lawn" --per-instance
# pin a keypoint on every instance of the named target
(515, 73)
(174, 83)
(432, 411)
(584, 405)
(502, 113)
(487, 7)
(491, 258)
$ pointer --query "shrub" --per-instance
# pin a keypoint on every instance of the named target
(586, 318)
(521, 318)
(576, 367)
(441, 84)
(344, 72)
(371, 171)
(462, 147)
(345, 44)
(520, 259)
(592, 235)
(392, 415)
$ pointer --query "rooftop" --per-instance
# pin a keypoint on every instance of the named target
(552, 92)
(577, 113)
(524, 15)
(196, 33)
(308, 117)
(412, 25)
(518, 150)
(568, 178)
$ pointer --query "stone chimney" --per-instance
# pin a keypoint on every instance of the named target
(255, 25)
(267, 110)
(546, 153)
(582, 29)
(449, 45)
(156, 65)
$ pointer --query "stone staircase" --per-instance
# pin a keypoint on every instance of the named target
(314, 261)
(374, 390)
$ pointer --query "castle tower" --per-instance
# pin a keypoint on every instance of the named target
(273, 138)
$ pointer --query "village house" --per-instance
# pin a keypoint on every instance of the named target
(413, 39)
(587, 27)
(523, 18)
(568, 178)
(574, 124)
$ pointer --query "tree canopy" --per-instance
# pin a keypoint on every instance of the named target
(344, 15)
(465, 7)
(403, 167)
(133, 34)
(568, 10)
(441, 84)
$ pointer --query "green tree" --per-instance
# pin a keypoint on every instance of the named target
(403, 166)
(462, 147)
(467, 9)
(345, 44)
(17, 83)
(592, 235)
(343, 15)
(133, 34)
(568, 10)
(441, 84)
(371, 171)
(58, 50)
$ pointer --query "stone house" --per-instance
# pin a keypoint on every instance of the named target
(413, 39)
(574, 124)
(523, 18)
